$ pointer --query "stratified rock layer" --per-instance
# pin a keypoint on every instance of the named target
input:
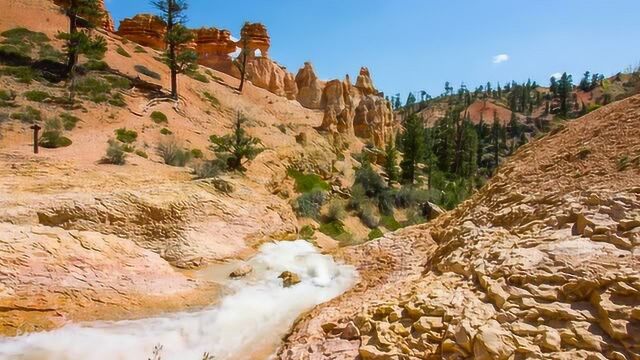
(542, 263)
(256, 37)
(214, 48)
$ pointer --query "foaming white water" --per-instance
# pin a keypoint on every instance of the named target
(255, 316)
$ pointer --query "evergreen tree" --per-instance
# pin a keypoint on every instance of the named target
(241, 62)
(585, 83)
(553, 87)
(238, 147)
(413, 147)
(411, 99)
(565, 87)
(177, 57)
(390, 164)
(495, 139)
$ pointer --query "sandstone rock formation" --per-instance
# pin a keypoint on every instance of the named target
(256, 37)
(144, 29)
(106, 21)
(267, 74)
(309, 87)
(214, 47)
(364, 82)
(542, 263)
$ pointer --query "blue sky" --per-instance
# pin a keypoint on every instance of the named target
(412, 45)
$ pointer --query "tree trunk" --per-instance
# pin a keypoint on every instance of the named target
(243, 71)
(72, 58)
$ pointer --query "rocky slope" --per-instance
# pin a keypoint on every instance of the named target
(543, 262)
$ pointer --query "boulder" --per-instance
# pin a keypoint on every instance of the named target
(289, 279)
(242, 271)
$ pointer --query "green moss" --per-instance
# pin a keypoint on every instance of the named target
(165, 131)
(126, 136)
(159, 117)
(69, 121)
(307, 182)
(36, 95)
(123, 52)
(375, 233)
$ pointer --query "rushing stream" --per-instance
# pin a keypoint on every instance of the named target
(250, 320)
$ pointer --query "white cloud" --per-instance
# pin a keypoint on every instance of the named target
(498, 59)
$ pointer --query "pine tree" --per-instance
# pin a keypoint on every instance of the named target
(565, 87)
(411, 99)
(495, 139)
(177, 56)
(390, 164)
(413, 147)
(238, 147)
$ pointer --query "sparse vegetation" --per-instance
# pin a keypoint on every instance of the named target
(159, 117)
(375, 234)
(390, 223)
(126, 136)
(6, 98)
(336, 231)
(173, 153)
(121, 51)
(211, 99)
(96, 65)
(195, 75)
(36, 95)
(115, 153)
(142, 154)
(208, 169)
(165, 131)
(52, 137)
(197, 153)
(336, 211)
(306, 232)
(23, 74)
(139, 49)
(146, 71)
(28, 115)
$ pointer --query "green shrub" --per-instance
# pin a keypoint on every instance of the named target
(215, 78)
(123, 52)
(336, 231)
(165, 131)
(309, 204)
(6, 98)
(142, 154)
(159, 117)
(22, 35)
(306, 232)
(414, 217)
(370, 180)
(96, 65)
(146, 71)
(336, 211)
(358, 197)
(36, 95)
(117, 100)
(128, 148)
(28, 115)
(94, 88)
(368, 216)
(198, 76)
(375, 234)
(115, 153)
(52, 136)
(409, 196)
(48, 52)
(211, 99)
(23, 74)
(173, 154)
(307, 182)
(197, 153)
(126, 136)
(139, 49)
(208, 169)
(118, 82)
(390, 223)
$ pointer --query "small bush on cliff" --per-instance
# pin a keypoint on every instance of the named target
(173, 153)
(115, 153)
(336, 211)
(36, 95)
(309, 204)
(159, 117)
(195, 75)
(6, 98)
(69, 121)
(52, 137)
(122, 52)
(28, 115)
(126, 136)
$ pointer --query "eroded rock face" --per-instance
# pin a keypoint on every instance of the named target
(144, 29)
(265, 73)
(256, 37)
(542, 263)
(214, 47)
(309, 87)
(374, 120)
(106, 21)
(364, 82)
